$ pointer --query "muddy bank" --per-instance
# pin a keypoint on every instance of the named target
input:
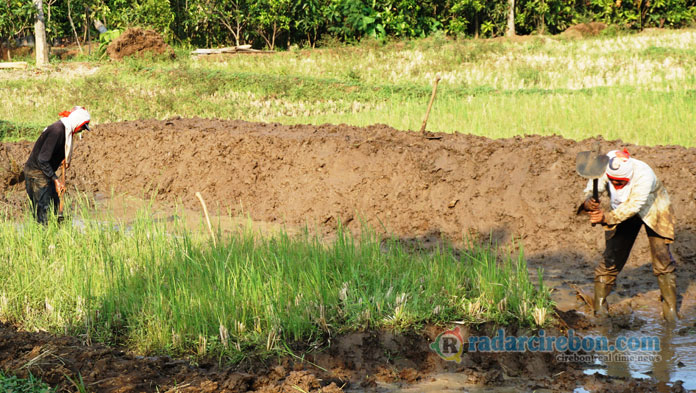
(360, 362)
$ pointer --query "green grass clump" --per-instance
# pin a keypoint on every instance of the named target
(13, 384)
(160, 288)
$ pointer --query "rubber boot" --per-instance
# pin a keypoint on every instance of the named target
(601, 291)
(668, 290)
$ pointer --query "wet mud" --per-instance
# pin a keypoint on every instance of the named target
(516, 191)
(358, 362)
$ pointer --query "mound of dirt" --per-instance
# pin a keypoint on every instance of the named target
(522, 189)
(12, 159)
(138, 42)
(584, 30)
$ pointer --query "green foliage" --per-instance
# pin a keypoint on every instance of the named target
(106, 38)
(273, 23)
(155, 14)
(16, 17)
(353, 19)
(271, 18)
(12, 384)
(309, 18)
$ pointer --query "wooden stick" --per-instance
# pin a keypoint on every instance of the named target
(430, 105)
(207, 218)
(60, 195)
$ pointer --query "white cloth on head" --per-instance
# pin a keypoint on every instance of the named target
(620, 165)
(78, 116)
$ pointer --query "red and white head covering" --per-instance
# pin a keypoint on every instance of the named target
(74, 120)
(620, 165)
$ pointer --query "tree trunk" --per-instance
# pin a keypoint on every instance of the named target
(476, 24)
(511, 19)
(40, 46)
(73, 28)
(542, 28)
(274, 36)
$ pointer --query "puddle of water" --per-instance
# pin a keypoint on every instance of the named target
(675, 361)
(121, 211)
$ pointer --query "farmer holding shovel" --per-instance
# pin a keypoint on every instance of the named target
(52, 150)
(637, 198)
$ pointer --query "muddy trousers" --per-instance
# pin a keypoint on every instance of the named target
(42, 194)
(619, 243)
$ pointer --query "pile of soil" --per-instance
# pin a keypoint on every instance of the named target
(584, 30)
(397, 182)
(138, 42)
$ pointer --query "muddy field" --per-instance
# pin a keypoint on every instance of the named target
(512, 190)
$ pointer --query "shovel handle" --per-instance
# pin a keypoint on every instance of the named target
(60, 196)
(595, 189)
(595, 192)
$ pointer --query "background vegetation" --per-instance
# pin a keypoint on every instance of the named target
(634, 87)
(305, 22)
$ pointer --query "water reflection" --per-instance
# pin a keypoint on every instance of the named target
(676, 359)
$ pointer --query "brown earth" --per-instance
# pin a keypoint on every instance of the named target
(510, 191)
(584, 30)
(355, 362)
(138, 42)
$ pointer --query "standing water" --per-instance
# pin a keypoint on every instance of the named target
(674, 361)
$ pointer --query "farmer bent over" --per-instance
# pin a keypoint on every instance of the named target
(50, 151)
(637, 198)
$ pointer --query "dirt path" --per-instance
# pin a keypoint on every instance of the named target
(519, 189)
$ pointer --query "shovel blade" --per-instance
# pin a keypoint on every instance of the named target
(591, 165)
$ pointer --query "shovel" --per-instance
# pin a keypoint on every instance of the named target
(592, 165)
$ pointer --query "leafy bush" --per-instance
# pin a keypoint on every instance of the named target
(106, 38)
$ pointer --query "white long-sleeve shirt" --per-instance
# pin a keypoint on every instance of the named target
(643, 195)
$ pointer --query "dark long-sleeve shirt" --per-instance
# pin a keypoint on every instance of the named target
(49, 150)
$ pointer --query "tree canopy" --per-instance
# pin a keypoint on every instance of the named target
(283, 23)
